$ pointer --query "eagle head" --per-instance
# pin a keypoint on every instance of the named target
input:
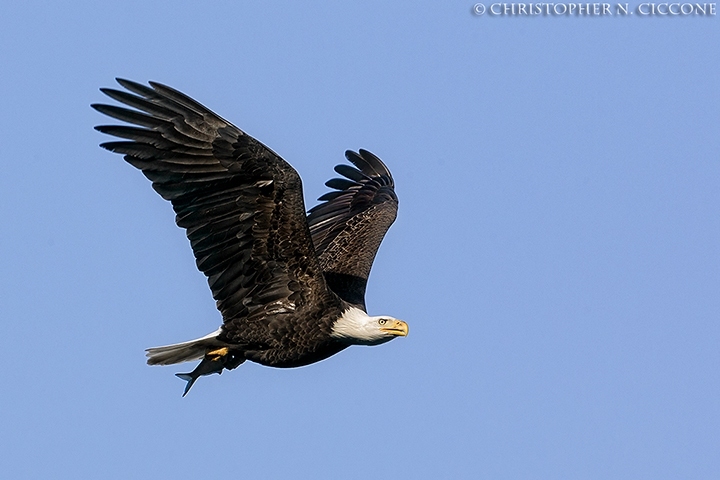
(356, 327)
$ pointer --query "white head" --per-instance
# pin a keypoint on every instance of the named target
(358, 328)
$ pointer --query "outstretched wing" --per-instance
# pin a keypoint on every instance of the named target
(349, 225)
(241, 204)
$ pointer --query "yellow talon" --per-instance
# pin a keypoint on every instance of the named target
(220, 352)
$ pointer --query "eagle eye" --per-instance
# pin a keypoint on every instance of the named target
(382, 321)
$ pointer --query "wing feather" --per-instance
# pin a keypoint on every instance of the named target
(348, 227)
(239, 202)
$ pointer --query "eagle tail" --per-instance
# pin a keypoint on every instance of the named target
(183, 352)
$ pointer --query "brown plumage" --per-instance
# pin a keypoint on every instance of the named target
(281, 279)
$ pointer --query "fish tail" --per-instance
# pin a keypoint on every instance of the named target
(189, 378)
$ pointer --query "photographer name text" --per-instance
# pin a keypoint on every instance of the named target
(669, 9)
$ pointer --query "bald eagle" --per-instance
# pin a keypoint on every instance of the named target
(290, 286)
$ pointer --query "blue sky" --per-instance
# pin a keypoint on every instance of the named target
(556, 251)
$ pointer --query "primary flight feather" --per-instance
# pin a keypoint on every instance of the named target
(290, 286)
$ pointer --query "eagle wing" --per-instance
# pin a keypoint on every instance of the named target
(240, 203)
(349, 225)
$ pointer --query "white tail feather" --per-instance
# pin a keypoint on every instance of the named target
(183, 352)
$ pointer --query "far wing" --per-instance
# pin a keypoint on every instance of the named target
(349, 225)
(240, 203)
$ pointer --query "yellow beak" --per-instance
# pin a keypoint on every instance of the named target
(397, 328)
